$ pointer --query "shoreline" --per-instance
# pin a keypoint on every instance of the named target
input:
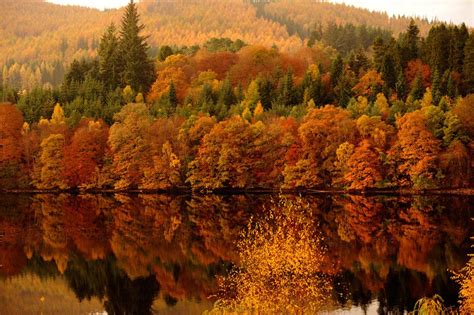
(254, 191)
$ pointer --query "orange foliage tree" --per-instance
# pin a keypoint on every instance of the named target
(321, 133)
(464, 109)
(237, 154)
(168, 153)
(52, 155)
(369, 84)
(254, 61)
(129, 142)
(220, 159)
(11, 149)
(364, 167)
(418, 68)
(416, 151)
(163, 81)
(218, 62)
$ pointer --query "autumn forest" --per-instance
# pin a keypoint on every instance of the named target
(234, 157)
(353, 108)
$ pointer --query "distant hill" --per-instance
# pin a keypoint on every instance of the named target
(38, 39)
(34, 29)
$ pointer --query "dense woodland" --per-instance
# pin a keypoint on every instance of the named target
(380, 112)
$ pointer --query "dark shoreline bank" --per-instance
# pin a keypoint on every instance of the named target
(256, 191)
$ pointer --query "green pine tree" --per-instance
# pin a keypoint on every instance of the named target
(172, 98)
(343, 90)
(165, 52)
(417, 89)
(226, 95)
(451, 87)
(379, 52)
(266, 93)
(401, 86)
(109, 59)
(461, 38)
(138, 70)
(468, 69)
(206, 99)
(437, 44)
(287, 93)
(388, 71)
(436, 87)
(412, 40)
(337, 67)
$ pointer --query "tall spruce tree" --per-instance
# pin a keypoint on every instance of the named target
(461, 37)
(436, 87)
(417, 89)
(437, 51)
(379, 52)
(109, 59)
(172, 98)
(138, 70)
(412, 40)
(287, 95)
(343, 89)
(337, 68)
(389, 74)
(226, 94)
(468, 68)
(401, 86)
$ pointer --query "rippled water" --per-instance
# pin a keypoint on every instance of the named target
(139, 254)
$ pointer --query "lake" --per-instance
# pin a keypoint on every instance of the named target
(170, 254)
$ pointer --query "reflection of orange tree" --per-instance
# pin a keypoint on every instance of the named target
(217, 222)
(280, 265)
(418, 235)
(85, 224)
(54, 234)
(170, 236)
(180, 276)
(365, 239)
(131, 239)
(184, 282)
(12, 257)
(364, 217)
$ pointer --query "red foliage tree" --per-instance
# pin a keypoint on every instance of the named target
(417, 67)
(84, 155)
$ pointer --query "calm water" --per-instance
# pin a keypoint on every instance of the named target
(162, 254)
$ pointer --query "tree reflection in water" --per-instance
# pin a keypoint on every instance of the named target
(280, 269)
(140, 253)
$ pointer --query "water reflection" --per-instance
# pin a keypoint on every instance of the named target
(149, 253)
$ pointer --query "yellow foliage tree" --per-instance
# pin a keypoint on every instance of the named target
(165, 171)
(128, 139)
(51, 161)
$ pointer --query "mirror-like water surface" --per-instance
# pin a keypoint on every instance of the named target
(167, 254)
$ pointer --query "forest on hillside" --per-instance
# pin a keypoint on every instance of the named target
(39, 40)
(233, 115)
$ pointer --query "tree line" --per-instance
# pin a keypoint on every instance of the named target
(427, 148)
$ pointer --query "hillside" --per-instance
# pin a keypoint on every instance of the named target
(305, 13)
(38, 39)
